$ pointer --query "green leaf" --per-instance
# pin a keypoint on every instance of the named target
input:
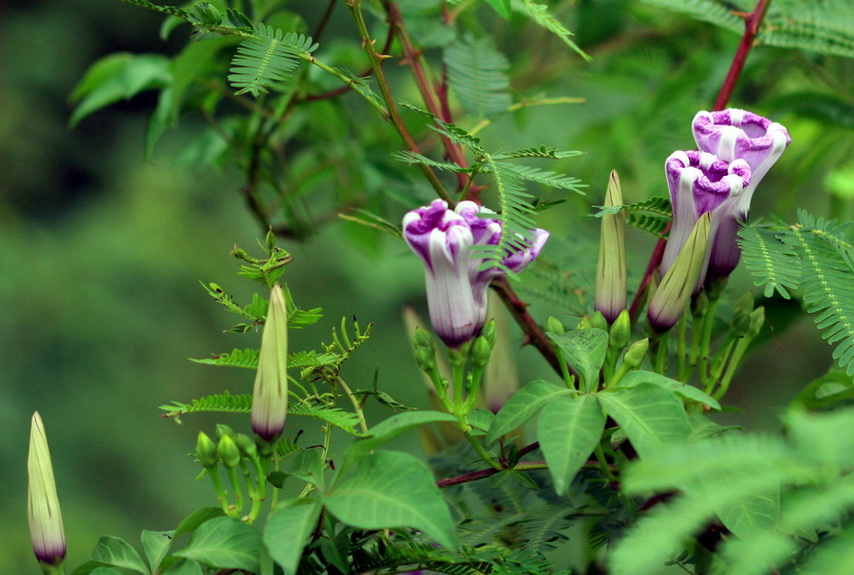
(540, 14)
(118, 553)
(523, 405)
(288, 529)
(477, 73)
(651, 416)
(195, 519)
(392, 490)
(268, 59)
(569, 429)
(156, 545)
(392, 427)
(753, 555)
(755, 511)
(584, 351)
(225, 543)
(119, 76)
(104, 571)
(500, 6)
(185, 567)
(635, 378)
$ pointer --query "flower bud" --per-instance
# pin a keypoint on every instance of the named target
(228, 452)
(270, 394)
(621, 330)
(206, 451)
(674, 292)
(741, 315)
(247, 446)
(480, 352)
(611, 269)
(598, 321)
(46, 530)
(757, 320)
(553, 325)
(222, 430)
(489, 332)
(635, 354)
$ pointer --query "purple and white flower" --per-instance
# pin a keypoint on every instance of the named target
(700, 182)
(737, 135)
(456, 284)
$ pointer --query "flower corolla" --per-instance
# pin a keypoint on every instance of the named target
(456, 284)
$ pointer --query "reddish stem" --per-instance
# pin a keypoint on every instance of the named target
(533, 333)
(752, 22)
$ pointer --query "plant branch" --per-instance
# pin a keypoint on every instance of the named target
(533, 333)
(752, 23)
(392, 112)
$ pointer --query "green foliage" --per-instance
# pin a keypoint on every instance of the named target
(776, 496)
(268, 59)
(814, 258)
(392, 489)
(224, 543)
(652, 215)
(822, 27)
(477, 73)
(540, 14)
(569, 428)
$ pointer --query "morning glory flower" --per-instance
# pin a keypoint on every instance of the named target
(456, 286)
(46, 530)
(700, 182)
(737, 135)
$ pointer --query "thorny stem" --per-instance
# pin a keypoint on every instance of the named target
(533, 333)
(392, 113)
(437, 107)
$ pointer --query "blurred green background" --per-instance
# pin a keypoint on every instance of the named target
(101, 252)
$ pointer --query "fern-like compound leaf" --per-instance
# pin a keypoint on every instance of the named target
(771, 261)
(540, 14)
(711, 11)
(652, 215)
(828, 291)
(268, 59)
(477, 74)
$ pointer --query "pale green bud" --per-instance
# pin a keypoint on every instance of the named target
(206, 451)
(228, 452)
(270, 394)
(489, 332)
(46, 531)
(610, 291)
(757, 320)
(247, 446)
(621, 330)
(674, 292)
(554, 326)
(635, 354)
(741, 315)
(480, 352)
(598, 321)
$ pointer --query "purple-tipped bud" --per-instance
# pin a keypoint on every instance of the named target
(737, 135)
(673, 294)
(46, 530)
(611, 269)
(456, 286)
(699, 182)
(270, 395)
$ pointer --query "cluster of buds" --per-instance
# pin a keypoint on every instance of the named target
(456, 281)
(710, 192)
